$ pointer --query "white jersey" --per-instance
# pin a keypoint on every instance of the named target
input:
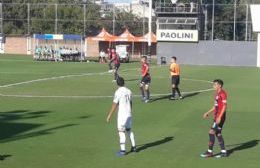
(123, 97)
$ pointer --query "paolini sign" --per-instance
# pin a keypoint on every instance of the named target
(178, 35)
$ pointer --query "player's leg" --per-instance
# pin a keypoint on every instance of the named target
(131, 134)
(147, 90)
(177, 87)
(116, 72)
(173, 92)
(173, 88)
(222, 145)
(221, 139)
(142, 90)
(122, 137)
(122, 141)
(209, 152)
(110, 65)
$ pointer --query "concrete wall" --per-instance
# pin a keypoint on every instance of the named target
(210, 53)
(15, 45)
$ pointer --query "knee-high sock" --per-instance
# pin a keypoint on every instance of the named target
(131, 137)
(211, 141)
(173, 92)
(221, 142)
(178, 91)
(122, 140)
(142, 91)
(147, 94)
(116, 75)
(110, 65)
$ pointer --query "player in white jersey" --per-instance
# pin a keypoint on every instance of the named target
(123, 100)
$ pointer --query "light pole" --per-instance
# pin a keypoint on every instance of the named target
(235, 15)
(212, 20)
(150, 30)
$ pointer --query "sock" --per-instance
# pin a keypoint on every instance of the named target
(211, 141)
(132, 138)
(148, 94)
(122, 140)
(110, 66)
(221, 142)
(178, 91)
(116, 75)
(173, 92)
(142, 91)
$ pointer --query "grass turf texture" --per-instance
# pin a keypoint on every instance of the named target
(72, 132)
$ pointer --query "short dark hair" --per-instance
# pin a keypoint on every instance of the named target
(175, 58)
(144, 57)
(219, 81)
(120, 81)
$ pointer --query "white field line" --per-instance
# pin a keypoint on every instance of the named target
(51, 78)
(95, 97)
(79, 75)
(87, 74)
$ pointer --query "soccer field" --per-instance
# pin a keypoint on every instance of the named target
(53, 114)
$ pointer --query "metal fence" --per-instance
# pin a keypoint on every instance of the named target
(220, 21)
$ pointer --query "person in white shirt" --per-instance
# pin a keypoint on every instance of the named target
(123, 100)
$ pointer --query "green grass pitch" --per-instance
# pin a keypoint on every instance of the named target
(59, 120)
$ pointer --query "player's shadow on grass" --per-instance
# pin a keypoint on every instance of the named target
(153, 144)
(85, 117)
(13, 125)
(242, 146)
(185, 96)
(3, 157)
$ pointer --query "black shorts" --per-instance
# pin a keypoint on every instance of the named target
(146, 79)
(218, 128)
(175, 80)
(117, 66)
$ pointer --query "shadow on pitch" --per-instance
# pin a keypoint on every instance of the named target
(14, 125)
(85, 117)
(153, 144)
(3, 157)
(242, 146)
(185, 96)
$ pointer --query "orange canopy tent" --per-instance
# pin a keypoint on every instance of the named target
(103, 36)
(145, 38)
(125, 37)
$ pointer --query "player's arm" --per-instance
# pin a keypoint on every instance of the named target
(112, 59)
(113, 109)
(206, 115)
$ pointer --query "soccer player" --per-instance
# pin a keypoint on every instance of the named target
(219, 111)
(145, 81)
(116, 60)
(175, 75)
(109, 53)
(123, 100)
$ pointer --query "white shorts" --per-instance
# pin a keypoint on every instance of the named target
(124, 124)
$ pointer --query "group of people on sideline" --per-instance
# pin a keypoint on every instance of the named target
(61, 54)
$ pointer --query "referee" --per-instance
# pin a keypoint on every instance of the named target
(175, 75)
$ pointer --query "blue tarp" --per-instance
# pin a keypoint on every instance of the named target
(58, 36)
